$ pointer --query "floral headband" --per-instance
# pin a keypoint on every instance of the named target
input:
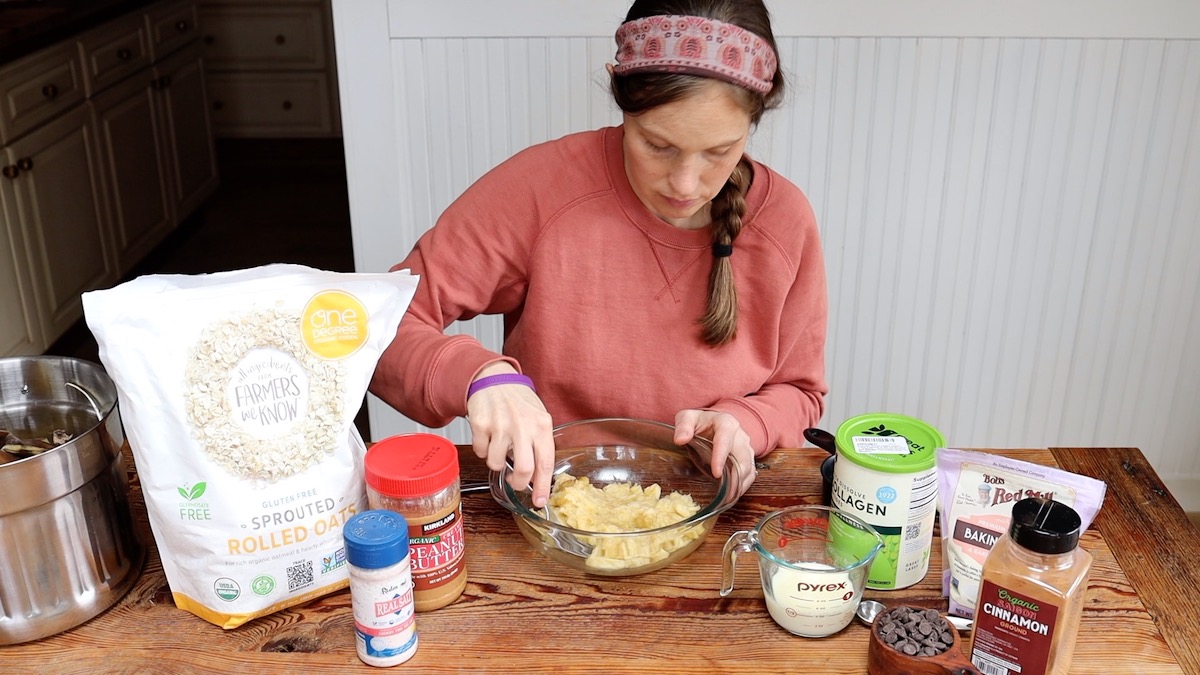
(696, 46)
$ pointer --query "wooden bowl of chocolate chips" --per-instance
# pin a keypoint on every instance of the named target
(910, 640)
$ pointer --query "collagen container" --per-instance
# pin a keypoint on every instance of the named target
(886, 474)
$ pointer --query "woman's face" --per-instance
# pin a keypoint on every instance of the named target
(679, 155)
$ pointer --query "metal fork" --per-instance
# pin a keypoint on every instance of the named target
(565, 540)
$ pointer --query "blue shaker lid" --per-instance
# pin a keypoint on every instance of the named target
(376, 539)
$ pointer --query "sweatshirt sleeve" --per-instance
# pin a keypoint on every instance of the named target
(793, 399)
(475, 260)
(471, 262)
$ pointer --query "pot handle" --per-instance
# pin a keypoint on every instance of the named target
(91, 399)
(822, 439)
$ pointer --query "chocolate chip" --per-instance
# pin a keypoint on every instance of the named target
(916, 632)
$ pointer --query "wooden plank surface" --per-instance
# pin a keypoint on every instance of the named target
(1154, 541)
(524, 613)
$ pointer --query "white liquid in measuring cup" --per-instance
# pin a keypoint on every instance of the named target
(813, 601)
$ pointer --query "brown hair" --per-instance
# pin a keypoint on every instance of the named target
(639, 92)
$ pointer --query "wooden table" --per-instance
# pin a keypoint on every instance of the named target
(522, 613)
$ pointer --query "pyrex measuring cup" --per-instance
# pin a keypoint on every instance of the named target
(813, 561)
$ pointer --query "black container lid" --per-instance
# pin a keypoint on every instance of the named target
(1044, 526)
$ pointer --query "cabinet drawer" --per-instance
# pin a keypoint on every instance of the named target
(35, 88)
(263, 37)
(113, 52)
(271, 104)
(172, 27)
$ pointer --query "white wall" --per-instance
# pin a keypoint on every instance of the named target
(1008, 199)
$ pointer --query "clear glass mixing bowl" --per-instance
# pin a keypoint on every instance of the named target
(621, 450)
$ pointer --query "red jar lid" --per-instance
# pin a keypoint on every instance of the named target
(411, 465)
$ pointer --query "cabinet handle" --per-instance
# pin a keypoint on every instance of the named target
(287, 105)
(10, 172)
(280, 39)
(183, 26)
(209, 39)
(25, 164)
(160, 83)
(50, 90)
(124, 54)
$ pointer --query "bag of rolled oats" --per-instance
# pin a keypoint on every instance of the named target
(238, 393)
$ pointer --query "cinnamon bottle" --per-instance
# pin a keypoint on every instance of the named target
(1031, 593)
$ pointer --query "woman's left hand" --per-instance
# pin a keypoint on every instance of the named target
(728, 438)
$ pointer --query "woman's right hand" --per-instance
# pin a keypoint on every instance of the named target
(510, 421)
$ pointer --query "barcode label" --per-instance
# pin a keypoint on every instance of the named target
(990, 665)
(300, 575)
(880, 445)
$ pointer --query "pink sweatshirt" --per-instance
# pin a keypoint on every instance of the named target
(601, 299)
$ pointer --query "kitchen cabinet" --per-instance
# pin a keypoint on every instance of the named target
(38, 87)
(113, 52)
(182, 109)
(135, 161)
(157, 143)
(54, 195)
(20, 328)
(107, 147)
(171, 26)
(270, 68)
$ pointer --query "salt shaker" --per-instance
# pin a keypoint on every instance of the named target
(381, 588)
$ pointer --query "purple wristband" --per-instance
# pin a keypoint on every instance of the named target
(503, 378)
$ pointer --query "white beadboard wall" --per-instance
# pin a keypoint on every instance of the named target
(1010, 207)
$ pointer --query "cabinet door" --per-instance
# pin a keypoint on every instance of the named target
(183, 116)
(20, 329)
(57, 195)
(133, 155)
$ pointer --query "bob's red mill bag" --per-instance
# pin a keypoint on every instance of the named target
(238, 392)
(976, 491)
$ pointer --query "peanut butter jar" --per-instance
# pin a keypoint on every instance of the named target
(416, 475)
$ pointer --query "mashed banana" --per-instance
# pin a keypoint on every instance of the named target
(623, 507)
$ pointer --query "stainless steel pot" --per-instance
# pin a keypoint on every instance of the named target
(68, 549)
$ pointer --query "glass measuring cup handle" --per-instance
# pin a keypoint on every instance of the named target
(742, 541)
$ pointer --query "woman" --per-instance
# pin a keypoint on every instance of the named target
(649, 270)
